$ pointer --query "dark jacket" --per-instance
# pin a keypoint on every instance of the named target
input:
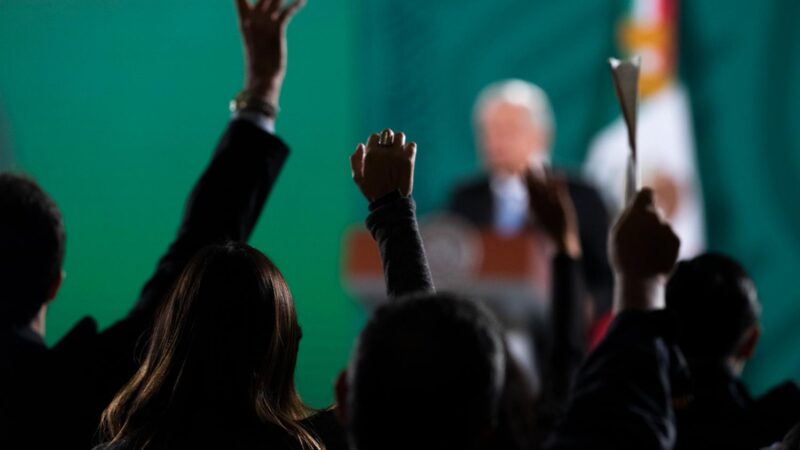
(723, 414)
(623, 394)
(474, 201)
(53, 397)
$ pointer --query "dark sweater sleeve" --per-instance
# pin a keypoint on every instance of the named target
(393, 224)
(567, 342)
(224, 204)
(622, 397)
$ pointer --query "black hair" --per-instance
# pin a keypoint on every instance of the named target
(428, 372)
(32, 244)
(715, 302)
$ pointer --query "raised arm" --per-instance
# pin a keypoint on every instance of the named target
(229, 196)
(383, 170)
(554, 213)
(623, 396)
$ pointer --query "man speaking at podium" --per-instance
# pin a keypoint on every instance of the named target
(514, 127)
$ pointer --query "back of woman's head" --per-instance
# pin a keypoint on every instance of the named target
(223, 347)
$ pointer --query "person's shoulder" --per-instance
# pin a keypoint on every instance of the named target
(24, 358)
(579, 186)
(584, 194)
(470, 186)
(20, 342)
(783, 397)
(472, 200)
(326, 426)
(112, 446)
(78, 339)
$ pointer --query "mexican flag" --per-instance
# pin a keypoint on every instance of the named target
(666, 149)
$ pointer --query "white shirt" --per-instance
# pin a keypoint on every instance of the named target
(511, 203)
(260, 120)
(511, 200)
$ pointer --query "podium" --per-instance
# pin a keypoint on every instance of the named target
(510, 274)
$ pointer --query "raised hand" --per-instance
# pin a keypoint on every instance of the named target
(379, 169)
(643, 250)
(553, 209)
(263, 28)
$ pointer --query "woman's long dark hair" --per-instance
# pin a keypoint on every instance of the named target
(225, 344)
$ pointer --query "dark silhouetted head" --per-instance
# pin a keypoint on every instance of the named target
(427, 372)
(32, 242)
(222, 352)
(716, 304)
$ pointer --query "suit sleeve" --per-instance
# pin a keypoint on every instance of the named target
(224, 205)
(622, 397)
(393, 224)
(473, 202)
(593, 224)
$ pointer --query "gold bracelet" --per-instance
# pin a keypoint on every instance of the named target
(246, 101)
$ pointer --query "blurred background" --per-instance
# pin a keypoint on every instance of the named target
(114, 106)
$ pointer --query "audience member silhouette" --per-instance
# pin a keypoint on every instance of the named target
(718, 312)
(219, 368)
(427, 374)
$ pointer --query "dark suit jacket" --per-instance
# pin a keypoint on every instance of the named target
(723, 414)
(623, 394)
(53, 397)
(474, 201)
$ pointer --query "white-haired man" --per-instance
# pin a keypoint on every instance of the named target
(514, 127)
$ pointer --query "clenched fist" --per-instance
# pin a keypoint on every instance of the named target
(554, 211)
(379, 169)
(643, 250)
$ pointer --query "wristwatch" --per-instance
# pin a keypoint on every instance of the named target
(246, 101)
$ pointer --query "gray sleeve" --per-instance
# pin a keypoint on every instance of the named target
(393, 224)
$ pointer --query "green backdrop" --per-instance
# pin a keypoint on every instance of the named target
(115, 106)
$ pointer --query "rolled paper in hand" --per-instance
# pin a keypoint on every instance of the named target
(626, 84)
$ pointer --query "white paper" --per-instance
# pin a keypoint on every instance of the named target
(626, 84)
